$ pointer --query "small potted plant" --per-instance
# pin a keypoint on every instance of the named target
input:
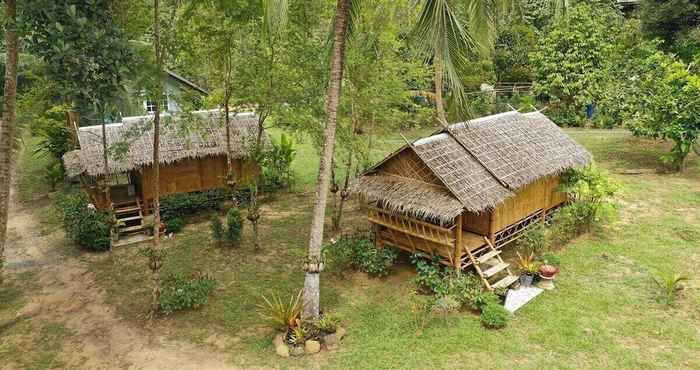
(547, 271)
(529, 268)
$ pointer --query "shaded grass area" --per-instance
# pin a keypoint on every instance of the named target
(604, 314)
(32, 183)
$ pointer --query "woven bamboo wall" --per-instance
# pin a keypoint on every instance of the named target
(476, 222)
(538, 195)
(194, 175)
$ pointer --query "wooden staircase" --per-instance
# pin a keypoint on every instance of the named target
(129, 216)
(494, 272)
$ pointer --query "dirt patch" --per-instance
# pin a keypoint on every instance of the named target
(67, 296)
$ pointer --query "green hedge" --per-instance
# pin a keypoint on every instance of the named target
(83, 224)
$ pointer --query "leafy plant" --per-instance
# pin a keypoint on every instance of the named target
(84, 225)
(174, 224)
(550, 258)
(277, 164)
(534, 239)
(217, 229)
(445, 305)
(484, 299)
(182, 292)
(429, 274)
(282, 314)
(494, 316)
(299, 333)
(357, 250)
(528, 265)
(669, 284)
(234, 226)
(54, 174)
(327, 323)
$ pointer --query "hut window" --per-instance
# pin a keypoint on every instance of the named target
(151, 106)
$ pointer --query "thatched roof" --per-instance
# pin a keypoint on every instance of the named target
(130, 143)
(481, 163)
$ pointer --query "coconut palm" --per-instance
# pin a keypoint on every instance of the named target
(8, 121)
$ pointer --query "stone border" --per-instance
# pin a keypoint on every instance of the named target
(310, 347)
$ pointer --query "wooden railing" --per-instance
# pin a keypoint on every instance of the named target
(420, 229)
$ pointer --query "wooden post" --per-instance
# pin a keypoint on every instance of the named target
(492, 230)
(458, 245)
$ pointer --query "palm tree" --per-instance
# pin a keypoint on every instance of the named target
(8, 121)
(312, 279)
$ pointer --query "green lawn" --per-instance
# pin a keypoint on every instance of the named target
(604, 314)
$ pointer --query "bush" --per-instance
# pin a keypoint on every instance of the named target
(234, 226)
(217, 229)
(429, 274)
(83, 224)
(494, 316)
(357, 250)
(433, 277)
(282, 314)
(534, 239)
(182, 293)
(483, 299)
(277, 164)
(174, 224)
(327, 323)
(174, 207)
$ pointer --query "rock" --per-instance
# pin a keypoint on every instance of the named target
(330, 340)
(297, 351)
(312, 346)
(282, 350)
(279, 340)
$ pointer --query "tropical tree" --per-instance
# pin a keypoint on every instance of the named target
(8, 120)
(313, 266)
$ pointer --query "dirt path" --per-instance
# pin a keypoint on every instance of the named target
(66, 293)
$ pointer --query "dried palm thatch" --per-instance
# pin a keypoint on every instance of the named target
(407, 196)
(130, 143)
(481, 163)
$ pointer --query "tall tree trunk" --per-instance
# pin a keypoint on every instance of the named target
(344, 194)
(105, 164)
(8, 122)
(312, 280)
(439, 72)
(156, 255)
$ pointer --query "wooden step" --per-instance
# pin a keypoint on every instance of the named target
(488, 256)
(505, 282)
(495, 269)
(132, 218)
(131, 229)
(127, 210)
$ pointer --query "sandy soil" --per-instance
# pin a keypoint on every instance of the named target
(66, 293)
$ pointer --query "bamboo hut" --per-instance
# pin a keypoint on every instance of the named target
(470, 189)
(192, 158)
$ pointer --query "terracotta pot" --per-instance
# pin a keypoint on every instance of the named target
(548, 271)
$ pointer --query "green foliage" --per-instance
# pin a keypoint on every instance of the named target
(591, 191)
(550, 258)
(432, 277)
(327, 323)
(669, 284)
(494, 316)
(277, 164)
(569, 55)
(217, 229)
(174, 224)
(55, 137)
(54, 174)
(83, 224)
(483, 299)
(234, 226)
(534, 239)
(282, 314)
(446, 305)
(429, 274)
(512, 60)
(528, 265)
(675, 22)
(357, 250)
(181, 293)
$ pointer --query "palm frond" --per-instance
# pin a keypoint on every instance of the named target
(439, 32)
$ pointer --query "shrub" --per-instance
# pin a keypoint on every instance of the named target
(182, 292)
(429, 274)
(466, 287)
(174, 224)
(282, 314)
(534, 239)
(217, 229)
(483, 299)
(234, 226)
(357, 250)
(494, 316)
(83, 224)
(277, 164)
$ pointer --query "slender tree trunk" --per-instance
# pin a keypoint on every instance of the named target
(105, 164)
(439, 102)
(156, 255)
(312, 280)
(344, 194)
(8, 122)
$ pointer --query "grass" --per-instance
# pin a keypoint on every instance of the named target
(32, 182)
(605, 312)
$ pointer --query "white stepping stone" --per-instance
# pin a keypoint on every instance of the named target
(516, 298)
